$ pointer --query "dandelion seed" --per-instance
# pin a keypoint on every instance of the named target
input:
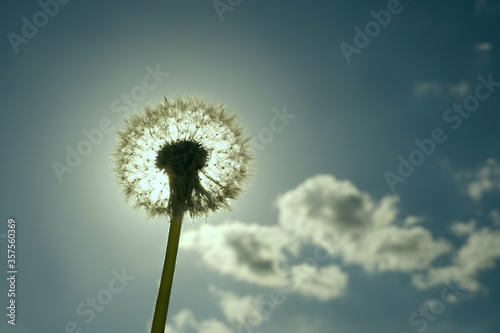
(180, 155)
(185, 146)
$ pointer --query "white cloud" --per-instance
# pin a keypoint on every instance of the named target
(396, 249)
(352, 226)
(236, 309)
(326, 210)
(248, 252)
(185, 321)
(482, 180)
(257, 254)
(412, 220)
(481, 252)
(182, 319)
(463, 228)
(324, 283)
(322, 208)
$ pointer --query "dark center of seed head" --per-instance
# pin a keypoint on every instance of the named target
(182, 160)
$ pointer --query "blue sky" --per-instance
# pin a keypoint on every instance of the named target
(349, 225)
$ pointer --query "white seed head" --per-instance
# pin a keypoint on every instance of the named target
(182, 152)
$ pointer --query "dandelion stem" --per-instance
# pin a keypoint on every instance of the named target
(167, 276)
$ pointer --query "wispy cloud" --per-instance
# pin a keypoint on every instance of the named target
(236, 308)
(248, 252)
(324, 283)
(264, 256)
(364, 231)
(463, 228)
(349, 225)
(481, 252)
(185, 321)
(482, 180)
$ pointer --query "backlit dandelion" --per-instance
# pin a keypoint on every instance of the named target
(182, 149)
(180, 155)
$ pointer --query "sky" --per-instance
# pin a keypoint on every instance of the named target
(375, 201)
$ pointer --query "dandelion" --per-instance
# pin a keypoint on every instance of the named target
(177, 156)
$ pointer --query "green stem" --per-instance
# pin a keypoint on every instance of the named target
(167, 276)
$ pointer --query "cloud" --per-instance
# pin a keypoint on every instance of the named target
(348, 224)
(185, 321)
(248, 252)
(330, 211)
(463, 228)
(482, 180)
(412, 220)
(262, 255)
(236, 309)
(396, 249)
(481, 252)
(323, 208)
(324, 283)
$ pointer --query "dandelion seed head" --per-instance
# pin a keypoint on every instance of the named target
(183, 151)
